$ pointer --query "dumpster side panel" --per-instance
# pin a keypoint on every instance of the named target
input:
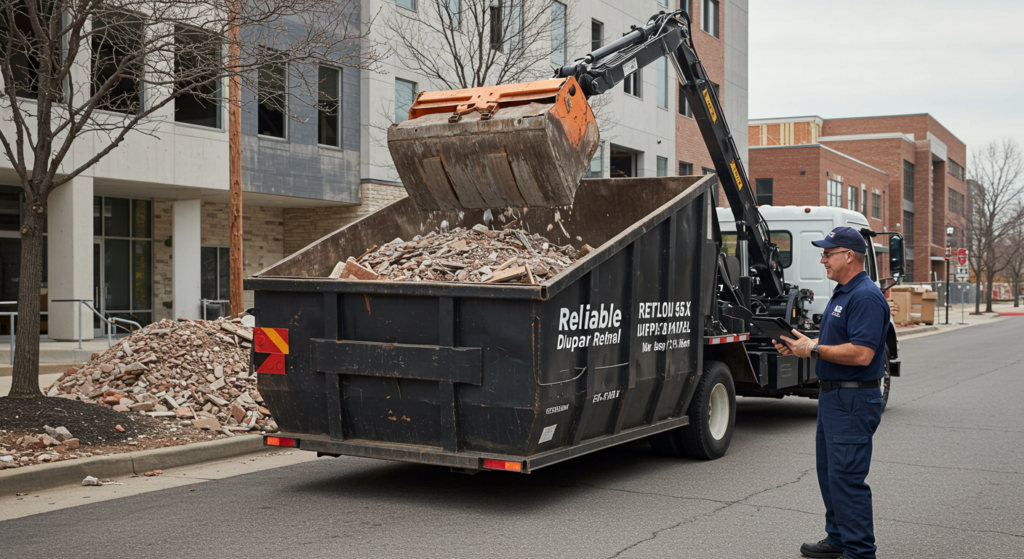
(298, 397)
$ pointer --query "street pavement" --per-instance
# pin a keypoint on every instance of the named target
(948, 479)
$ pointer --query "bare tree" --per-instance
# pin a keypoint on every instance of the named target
(99, 72)
(460, 44)
(997, 170)
(1013, 254)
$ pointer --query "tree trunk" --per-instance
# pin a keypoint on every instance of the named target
(25, 382)
(988, 292)
(977, 293)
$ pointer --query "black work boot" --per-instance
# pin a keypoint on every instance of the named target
(821, 549)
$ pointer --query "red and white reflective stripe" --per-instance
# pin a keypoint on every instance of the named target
(715, 340)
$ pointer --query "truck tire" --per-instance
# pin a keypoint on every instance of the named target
(712, 418)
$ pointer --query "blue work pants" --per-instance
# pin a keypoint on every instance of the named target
(847, 419)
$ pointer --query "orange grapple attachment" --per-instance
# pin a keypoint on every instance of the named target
(526, 144)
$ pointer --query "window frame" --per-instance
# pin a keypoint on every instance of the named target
(412, 7)
(598, 27)
(833, 193)
(633, 82)
(599, 158)
(689, 167)
(908, 181)
(412, 100)
(562, 53)
(337, 108)
(709, 18)
(661, 89)
(660, 166)
(181, 30)
(853, 198)
(876, 205)
(284, 102)
(768, 182)
(139, 82)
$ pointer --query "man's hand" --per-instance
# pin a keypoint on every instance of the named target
(799, 346)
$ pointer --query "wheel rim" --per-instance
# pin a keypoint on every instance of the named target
(718, 411)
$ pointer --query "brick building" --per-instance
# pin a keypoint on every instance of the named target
(720, 38)
(906, 173)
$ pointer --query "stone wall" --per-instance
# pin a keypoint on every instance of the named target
(305, 225)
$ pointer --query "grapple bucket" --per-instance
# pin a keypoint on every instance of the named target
(517, 145)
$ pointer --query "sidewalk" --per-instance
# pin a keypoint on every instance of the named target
(1000, 311)
(55, 356)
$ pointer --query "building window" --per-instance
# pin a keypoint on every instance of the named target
(270, 97)
(876, 206)
(908, 228)
(853, 198)
(956, 202)
(123, 257)
(956, 169)
(663, 82)
(115, 37)
(215, 273)
(411, 4)
(764, 189)
(708, 170)
(453, 11)
(835, 193)
(623, 163)
(196, 55)
(684, 5)
(662, 168)
(633, 84)
(24, 61)
(405, 94)
(684, 106)
(709, 17)
(685, 169)
(558, 33)
(596, 169)
(596, 34)
(864, 202)
(328, 107)
(663, 3)
(908, 181)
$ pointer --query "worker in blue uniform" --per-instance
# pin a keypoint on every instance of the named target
(850, 350)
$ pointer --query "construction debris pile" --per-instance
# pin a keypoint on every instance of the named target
(196, 372)
(476, 255)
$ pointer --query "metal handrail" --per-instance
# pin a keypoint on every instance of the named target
(13, 314)
(111, 322)
(203, 302)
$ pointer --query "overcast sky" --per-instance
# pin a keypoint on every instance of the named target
(962, 62)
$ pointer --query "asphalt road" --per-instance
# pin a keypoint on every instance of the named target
(948, 479)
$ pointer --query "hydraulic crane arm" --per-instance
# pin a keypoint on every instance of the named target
(668, 34)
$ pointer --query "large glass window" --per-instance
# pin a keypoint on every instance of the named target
(633, 84)
(596, 34)
(216, 273)
(876, 205)
(123, 253)
(663, 82)
(709, 17)
(956, 169)
(328, 105)
(24, 62)
(596, 169)
(908, 181)
(835, 193)
(558, 34)
(196, 55)
(785, 242)
(662, 166)
(117, 36)
(270, 97)
(11, 205)
(405, 95)
(685, 169)
(853, 198)
(765, 189)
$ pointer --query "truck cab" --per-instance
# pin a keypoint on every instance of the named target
(793, 228)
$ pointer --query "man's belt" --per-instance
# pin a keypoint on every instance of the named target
(835, 384)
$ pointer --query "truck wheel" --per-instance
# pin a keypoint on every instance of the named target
(712, 418)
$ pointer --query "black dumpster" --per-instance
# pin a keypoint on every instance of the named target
(499, 376)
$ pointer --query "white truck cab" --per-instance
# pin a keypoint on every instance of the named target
(793, 228)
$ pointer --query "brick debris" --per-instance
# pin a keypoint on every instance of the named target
(469, 255)
(192, 371)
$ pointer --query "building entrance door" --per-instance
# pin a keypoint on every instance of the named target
(122, 259)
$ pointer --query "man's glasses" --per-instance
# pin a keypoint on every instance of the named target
(828, 254)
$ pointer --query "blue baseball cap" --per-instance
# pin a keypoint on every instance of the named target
(846, 237)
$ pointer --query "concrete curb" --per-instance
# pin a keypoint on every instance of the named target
(46, 476)
(915, 331)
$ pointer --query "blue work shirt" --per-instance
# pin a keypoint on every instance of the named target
(857, 313)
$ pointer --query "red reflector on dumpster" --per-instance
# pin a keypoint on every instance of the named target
(270, 340)
(502, 465)
(282, 441)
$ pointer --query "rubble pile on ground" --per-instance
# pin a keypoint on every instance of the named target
(196, 372)
(476, 255)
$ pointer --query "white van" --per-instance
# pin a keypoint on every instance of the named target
(793, 228)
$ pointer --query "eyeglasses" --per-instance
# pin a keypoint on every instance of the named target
(829, 254)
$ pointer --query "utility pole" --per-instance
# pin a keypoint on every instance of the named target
(235, 166)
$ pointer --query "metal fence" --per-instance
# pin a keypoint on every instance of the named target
(960, 292)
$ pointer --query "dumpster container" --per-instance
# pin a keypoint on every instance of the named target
(476, 376)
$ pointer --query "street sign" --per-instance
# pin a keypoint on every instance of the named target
(962, 273)
(961, 256)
